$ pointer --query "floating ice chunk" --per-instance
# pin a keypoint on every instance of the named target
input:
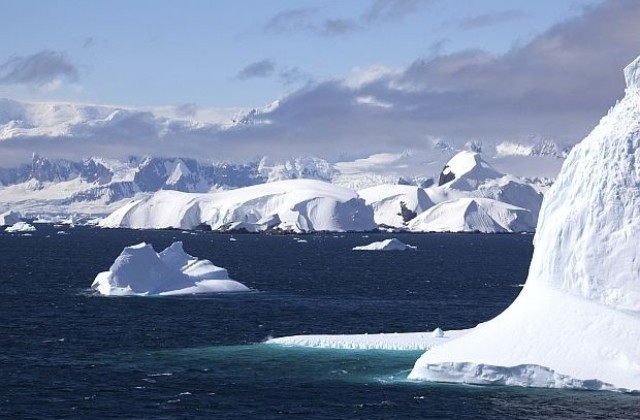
(392, 244)
(438, 333)
(20, 227)
(139, 270)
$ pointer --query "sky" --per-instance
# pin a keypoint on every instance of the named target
(351, 77)
(240, 53)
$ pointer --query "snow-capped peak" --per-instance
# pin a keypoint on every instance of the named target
(469, 165)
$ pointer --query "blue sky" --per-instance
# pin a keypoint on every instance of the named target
(151, 53)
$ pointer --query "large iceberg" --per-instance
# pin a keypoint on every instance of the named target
(576, 323)
(139, 270)
(301, 205)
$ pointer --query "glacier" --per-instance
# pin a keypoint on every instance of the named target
(9, 218)
(300, 205)
(475, 198)
(473, 215)
(576, 322)
(395, 205)
(140, 271)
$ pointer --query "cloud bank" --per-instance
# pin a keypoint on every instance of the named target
(258, 69)
(37, 70)
(557, 85)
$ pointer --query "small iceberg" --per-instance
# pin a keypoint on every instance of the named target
(392, 244)
(141, 271)
(20, 227)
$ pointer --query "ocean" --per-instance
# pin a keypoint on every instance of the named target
(67, 353)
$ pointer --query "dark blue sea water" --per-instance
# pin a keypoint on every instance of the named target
(66, 353)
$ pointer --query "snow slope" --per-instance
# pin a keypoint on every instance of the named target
(395, 205)
(473, 215)
(294, 205)
(9, 218)
(468, 175)
(139, 270)
(472, 196)
(577, 321)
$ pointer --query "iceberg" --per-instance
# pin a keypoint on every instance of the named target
(139, 270)
(20, 227)
(576, 322)
(300, 205)
(9, 218)
(392, 244)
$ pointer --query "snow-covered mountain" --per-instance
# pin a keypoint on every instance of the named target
(471, 196)
(97, 187)
(300, 205)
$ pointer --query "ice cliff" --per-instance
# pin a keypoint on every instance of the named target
(576, 323)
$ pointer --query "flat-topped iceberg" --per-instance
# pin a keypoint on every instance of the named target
(392, 244)
(139, 270)
(20, 227)
(576, 323)
(300, 205)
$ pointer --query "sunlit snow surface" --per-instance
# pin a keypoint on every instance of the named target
(302, 205)
(139, 270)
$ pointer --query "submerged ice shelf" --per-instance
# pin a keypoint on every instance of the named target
(392, 341)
